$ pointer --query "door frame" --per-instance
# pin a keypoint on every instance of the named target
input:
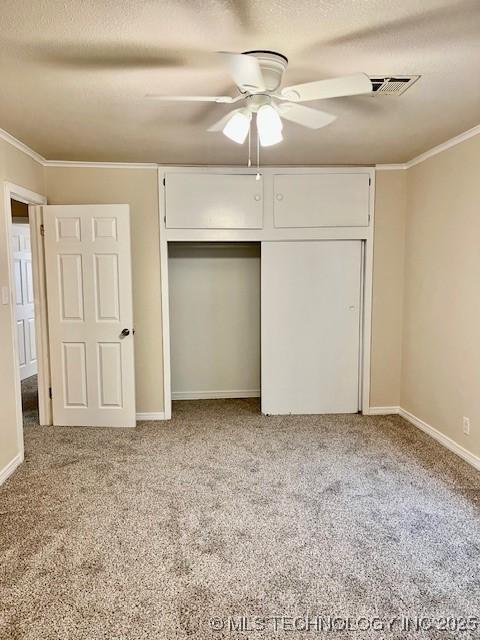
(165, 297)
(34, 201)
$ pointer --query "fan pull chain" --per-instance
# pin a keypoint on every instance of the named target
(250, 146)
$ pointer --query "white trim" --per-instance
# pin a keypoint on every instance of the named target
(466, 135)
(400, 166)
(215, 395)
(8, 469)
(437, 435)
(382, 411)
(7, 137)
(160, 415)
(367, 302)
(392, 167)
(167, 396)
(41, 315)
(452, 142)
(444, 440)
(21, 146)
(24, 195)
(100, 165)
(17, 192)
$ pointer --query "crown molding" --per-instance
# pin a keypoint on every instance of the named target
(466, 135)
(401, 166)
(100, 165)
(7, 137)
(18, 144)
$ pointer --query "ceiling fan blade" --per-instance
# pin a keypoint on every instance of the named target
(245, 71)
(226, 99)
(355, 84)
(220, 124)
(306, 116)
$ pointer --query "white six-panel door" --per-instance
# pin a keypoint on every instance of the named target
(24, 300)
(89, 294)
(311, 299)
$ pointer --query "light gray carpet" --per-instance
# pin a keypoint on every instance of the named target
(148, 533)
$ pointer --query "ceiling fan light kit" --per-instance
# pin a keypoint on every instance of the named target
(238, 126)
(269, 126)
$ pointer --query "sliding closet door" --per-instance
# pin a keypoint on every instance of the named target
(311, 298)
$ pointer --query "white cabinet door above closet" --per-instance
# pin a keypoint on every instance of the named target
(213, 201)
(310, 319)
(321, 200)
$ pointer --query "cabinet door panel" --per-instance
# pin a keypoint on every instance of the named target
(321, 200)
(213, 201)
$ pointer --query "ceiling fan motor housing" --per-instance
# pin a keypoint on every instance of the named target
(273, 66)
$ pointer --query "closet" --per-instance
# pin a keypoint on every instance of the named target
(269, 281)
(214, 291)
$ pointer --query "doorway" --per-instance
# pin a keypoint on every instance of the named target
(21, 208)
(24, 299)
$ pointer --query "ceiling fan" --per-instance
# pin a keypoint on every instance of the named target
(258, 75)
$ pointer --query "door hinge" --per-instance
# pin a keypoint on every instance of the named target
(164, 182)
(50, 393)
(369, 181)
(42, 230)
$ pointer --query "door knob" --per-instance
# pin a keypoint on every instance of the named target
(125, 332)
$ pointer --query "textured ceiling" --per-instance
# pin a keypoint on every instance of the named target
(74, 75)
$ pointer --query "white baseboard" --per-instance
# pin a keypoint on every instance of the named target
(160, 415)
(215, 395)
(444, 440)
(7, 471)
(382, 411)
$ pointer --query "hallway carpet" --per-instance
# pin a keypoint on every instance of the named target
(223, 520)
(30, 401)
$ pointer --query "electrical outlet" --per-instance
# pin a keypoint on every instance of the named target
(466, 426)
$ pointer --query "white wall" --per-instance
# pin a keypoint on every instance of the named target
(215, 318)
(441, 319)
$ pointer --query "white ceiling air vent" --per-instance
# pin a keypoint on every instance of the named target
(392, 86)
